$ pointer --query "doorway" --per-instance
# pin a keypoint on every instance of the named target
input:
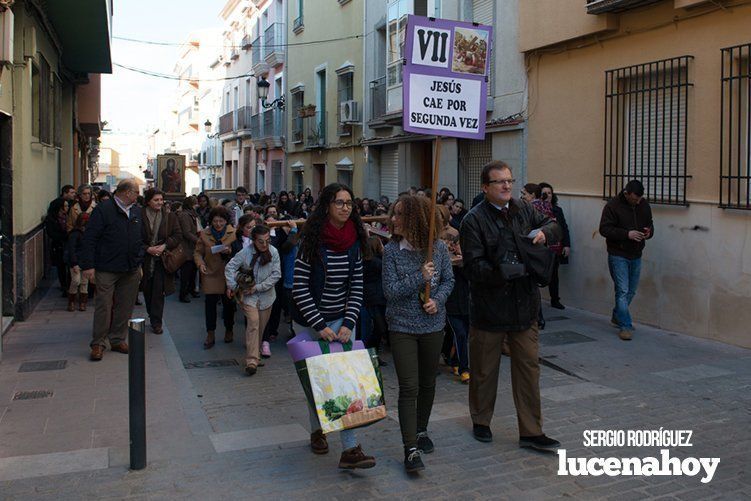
(319, 178)
(6, 216)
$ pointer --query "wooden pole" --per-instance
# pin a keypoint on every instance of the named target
(301, 222)
(433, 202)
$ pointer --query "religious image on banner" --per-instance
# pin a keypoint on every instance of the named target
(171, 174)
(470, 51)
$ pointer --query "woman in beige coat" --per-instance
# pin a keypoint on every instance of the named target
(211, 256)
(84, 204)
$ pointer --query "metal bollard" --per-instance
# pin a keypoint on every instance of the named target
(137, 392)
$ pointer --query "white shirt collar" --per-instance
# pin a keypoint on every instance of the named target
(403, 244)
(499, 207)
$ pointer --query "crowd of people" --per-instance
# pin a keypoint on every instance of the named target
(338, 267)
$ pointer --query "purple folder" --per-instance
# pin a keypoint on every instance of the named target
(302, 346)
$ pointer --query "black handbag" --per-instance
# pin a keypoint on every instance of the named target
(538, 260)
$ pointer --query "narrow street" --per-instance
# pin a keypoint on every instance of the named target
(213, 432)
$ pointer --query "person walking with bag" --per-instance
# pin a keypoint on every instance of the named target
(415, 322)
(260, 266)
(328, 293)
(190, 227)
(212, 253)
(161, 232)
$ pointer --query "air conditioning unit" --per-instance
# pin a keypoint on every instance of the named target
(349, 112)
(6, 36)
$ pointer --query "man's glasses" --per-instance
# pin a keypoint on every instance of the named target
(505, 182)
(341, 203)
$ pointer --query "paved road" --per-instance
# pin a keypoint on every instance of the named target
(215, 433)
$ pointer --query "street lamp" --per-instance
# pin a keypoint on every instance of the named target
(207, 128)
(263, 93)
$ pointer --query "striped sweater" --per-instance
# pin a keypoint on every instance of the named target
(342, 295)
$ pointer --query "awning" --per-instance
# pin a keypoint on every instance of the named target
(297, 166)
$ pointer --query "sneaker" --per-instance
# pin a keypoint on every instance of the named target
(251, 370)
(465, 377)
(540, 443)
(424, 443)
(557, 305)
(412, 460)
(355, 458)
(318, 442)
(265, 349)
(482, 433)
(625, 335)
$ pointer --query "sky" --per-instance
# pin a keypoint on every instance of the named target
(131, 101)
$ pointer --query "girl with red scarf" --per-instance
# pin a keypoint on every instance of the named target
(328, 292)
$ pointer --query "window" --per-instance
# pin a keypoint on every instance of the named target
(735, 127)
(344, 177)
(297, 27)
(298, 101)
(298, 186)
(646, 129)
(35, 104)
(396, 30)
(58, 111)
(345, 92)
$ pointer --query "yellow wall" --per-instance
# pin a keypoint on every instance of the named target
(35, 166)
(326, 20)
(693, 281)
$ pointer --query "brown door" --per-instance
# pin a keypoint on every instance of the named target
(426, 167)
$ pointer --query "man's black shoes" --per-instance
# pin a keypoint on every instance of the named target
(539, 443)
(424, 443)
(482, 433)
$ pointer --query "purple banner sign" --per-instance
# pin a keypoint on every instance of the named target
(445, 77)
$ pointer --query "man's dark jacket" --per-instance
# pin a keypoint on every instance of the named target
(618, 218)
(498, 305)
(113, 242)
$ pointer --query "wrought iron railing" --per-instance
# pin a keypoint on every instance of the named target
(227, 122)
(378, 98)
(314, 128)
(735, 128)
(275, 41)
(646, 129)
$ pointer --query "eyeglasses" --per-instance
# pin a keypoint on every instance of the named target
(339, 204)
(505, 182)
(263, 241)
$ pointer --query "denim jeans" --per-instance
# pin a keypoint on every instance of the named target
(348, 437)
(625, 273)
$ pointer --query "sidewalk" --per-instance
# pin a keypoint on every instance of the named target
(213, 432)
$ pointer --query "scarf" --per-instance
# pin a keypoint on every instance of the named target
(155, 222)
(216, 234)
(339, 240)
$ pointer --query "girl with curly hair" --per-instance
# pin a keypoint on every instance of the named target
(415, 323)
(328, 292)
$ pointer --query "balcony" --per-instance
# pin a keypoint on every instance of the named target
(259, 65)
(298, 26)
(379, 112)
(267, 129)
(314, 130)
(273, 51)
(234, 54)
(246, 44)
(297, 129)
(244, 121)
(608, 6)
(227, 123)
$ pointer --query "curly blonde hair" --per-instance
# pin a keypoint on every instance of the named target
(415, 215)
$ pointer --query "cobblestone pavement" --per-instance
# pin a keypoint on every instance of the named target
(214, 433)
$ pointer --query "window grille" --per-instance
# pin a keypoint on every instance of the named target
(735, 128)
(646, 124)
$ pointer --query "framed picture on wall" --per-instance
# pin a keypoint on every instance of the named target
(170, 176)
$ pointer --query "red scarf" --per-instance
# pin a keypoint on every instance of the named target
(339, 240)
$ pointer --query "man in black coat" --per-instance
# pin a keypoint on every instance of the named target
(626, 224)
(503, 307)
(113, 250)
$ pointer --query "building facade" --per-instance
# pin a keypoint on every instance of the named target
(398, 160)
(49, 125)
(324, 95)
(656, 91)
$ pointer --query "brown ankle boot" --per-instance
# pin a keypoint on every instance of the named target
(209, 343)
(82, 299)
(229, 336)
(71, 302)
